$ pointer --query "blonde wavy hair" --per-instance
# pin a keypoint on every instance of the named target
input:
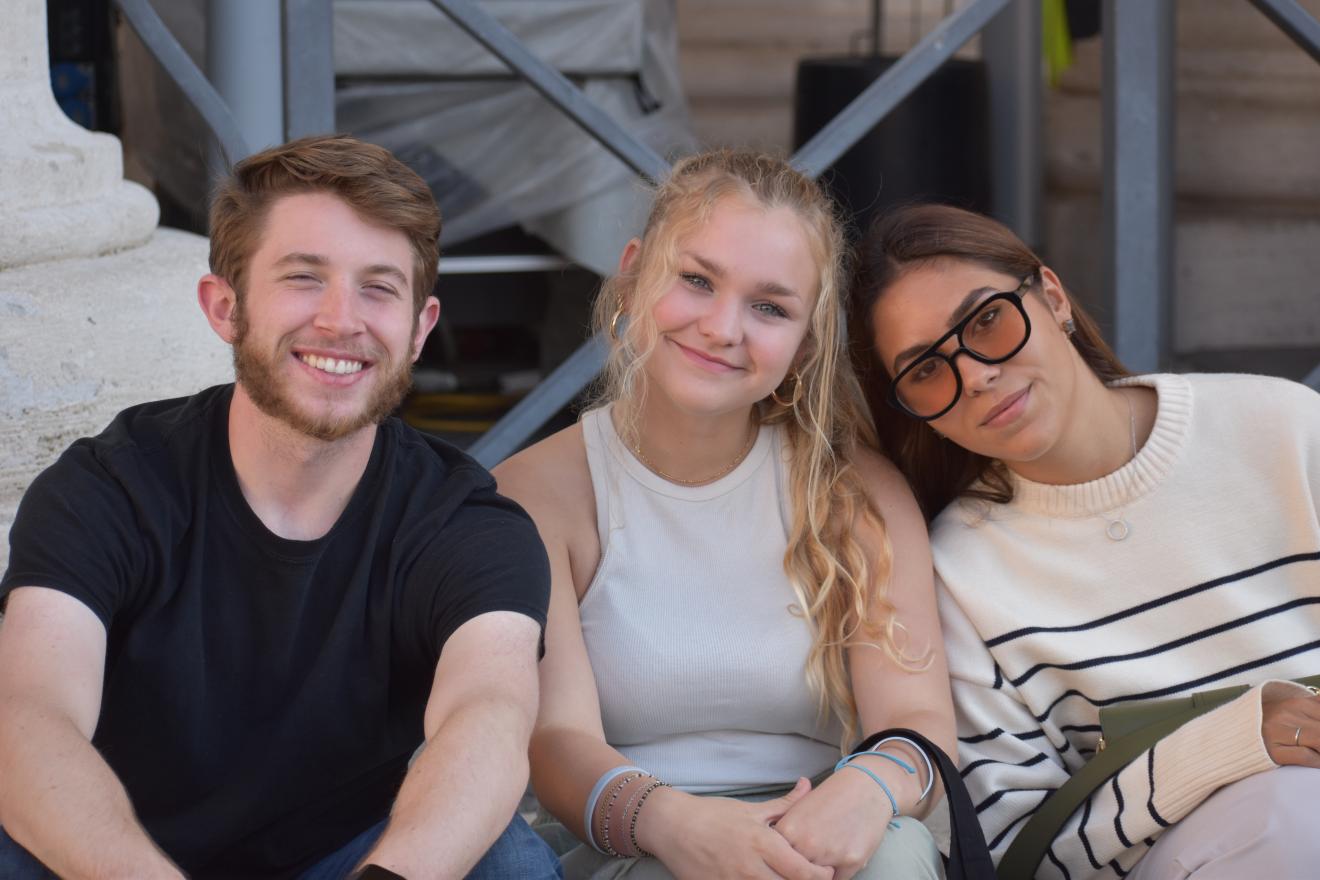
(827, 566)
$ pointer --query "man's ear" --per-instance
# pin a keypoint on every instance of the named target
(1051, 290)
(426, 319)
(629, 255)
(218, 302)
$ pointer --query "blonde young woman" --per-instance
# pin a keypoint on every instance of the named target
(740, 584)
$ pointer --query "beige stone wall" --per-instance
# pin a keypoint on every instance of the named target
(1247, 187)
(1247, 154)
(739, 57)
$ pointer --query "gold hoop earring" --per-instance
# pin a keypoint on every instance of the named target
(797, 392)
(614, 323)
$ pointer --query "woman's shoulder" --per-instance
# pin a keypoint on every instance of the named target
(1244, 404)
(550, 478)
(1241, 389)
(888, 488)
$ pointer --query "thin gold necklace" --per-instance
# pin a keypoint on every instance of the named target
(725, 471)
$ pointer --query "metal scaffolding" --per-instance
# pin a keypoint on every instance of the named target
(1138, 145)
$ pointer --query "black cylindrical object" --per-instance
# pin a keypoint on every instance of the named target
(934, 146)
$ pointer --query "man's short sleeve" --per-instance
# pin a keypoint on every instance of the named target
(76, 532)
(486, 557)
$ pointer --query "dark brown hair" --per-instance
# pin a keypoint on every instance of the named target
(909, 238)
(379, 187)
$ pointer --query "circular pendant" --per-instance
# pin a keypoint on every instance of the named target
(1117, 530)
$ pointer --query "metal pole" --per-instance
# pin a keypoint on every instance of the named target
(555, 87)
(1010, 45)
(899, 81)
(1138, 180)
(309, 68)
(190, 79)
(530, 413)
(243, 59)
(1313, 378)
(1293, 20)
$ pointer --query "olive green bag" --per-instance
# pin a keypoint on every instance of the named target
(1127, 730)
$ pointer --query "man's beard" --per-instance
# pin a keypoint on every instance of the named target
(258, 374)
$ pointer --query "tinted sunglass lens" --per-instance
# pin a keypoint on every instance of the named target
(928, 387)
(996, 330)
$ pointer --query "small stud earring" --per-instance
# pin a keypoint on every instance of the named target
(1069, 327)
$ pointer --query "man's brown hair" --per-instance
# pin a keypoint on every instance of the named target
(379, 187)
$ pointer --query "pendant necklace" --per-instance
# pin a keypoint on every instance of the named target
(1117, 528)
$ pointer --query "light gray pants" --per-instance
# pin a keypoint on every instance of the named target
(907, 852)
(1264, 826)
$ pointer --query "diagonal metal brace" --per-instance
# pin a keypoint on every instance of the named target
(859, 117)
(899, 81)
(1289, 17)
(530, 413)
(196, 87)
(556, 88)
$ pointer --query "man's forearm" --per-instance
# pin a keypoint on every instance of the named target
(63, 803)
(459, 794)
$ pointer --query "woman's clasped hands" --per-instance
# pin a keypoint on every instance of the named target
(840, 823)
(827, 833)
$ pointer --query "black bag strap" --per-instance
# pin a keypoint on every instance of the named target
(969, 857)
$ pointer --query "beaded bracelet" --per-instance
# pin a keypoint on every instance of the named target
(628, 805)
(632, 823)
(594, 798)
(605, 844)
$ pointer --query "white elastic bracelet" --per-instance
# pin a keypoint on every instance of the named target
(612, 773)
(925, 759)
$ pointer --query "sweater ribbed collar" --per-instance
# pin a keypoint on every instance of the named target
(1140, 476)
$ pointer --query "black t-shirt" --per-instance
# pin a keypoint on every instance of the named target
(263, 696)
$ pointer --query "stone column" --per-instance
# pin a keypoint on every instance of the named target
(97, 305)
(62, 192)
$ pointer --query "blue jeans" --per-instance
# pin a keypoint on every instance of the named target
(518, 853)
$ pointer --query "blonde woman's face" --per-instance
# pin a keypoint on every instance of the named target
(733, 317)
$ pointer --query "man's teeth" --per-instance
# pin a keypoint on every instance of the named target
(330, 365)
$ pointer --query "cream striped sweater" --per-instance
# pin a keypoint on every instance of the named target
(1218, 583)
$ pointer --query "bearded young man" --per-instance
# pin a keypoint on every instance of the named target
(232, 618)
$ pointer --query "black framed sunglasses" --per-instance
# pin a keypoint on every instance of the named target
(993, 332)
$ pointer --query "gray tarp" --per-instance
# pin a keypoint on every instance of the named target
(495, 151)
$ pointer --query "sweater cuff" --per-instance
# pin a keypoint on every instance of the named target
(1275, 690)
(1210, 752)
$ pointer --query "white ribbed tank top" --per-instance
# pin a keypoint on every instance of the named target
(700, 662)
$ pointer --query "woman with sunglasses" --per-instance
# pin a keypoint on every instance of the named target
(725, 609)
(1100, 537)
